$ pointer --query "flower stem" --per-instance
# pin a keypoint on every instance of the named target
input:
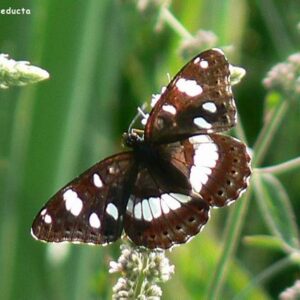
(141, 278)
(267, 133)
(263, 276)
(169, 19)
(231, 236)
(281, 168)
(239, 130)
(235, 222)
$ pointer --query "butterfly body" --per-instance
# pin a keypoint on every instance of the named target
(161, 191)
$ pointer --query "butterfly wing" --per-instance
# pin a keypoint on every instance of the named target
(217, 166)
(198, 100)
(90, 209)
(160, 213)
(170, 199)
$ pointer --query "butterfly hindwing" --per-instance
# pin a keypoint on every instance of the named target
(198, 100)
(160, 216)
(217, 166)
(90, 209)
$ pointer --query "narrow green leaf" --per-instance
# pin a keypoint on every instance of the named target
(264, 241)
(265, 275)
(276, 208)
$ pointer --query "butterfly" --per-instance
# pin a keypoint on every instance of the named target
(160, 192)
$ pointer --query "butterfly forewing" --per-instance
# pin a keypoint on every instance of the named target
(217, 166)
(160, 214)
(91, 208)
(198, 100)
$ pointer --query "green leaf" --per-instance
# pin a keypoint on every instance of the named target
(276, 208)
(264, 241)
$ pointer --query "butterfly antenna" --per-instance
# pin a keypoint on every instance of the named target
(140, 112)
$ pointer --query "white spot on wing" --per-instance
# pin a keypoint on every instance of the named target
(97, 180)
(203, 177)
(210, 107)
(189, 87)
(146, 211)
(129, 207)
(201, 122)
(169, 108)
(181, 198)
(43, 212)
(165, 208)
(112, 210)
(197, 139)
(205, 158)
(203, 64)
(94, 221)
(197, 178)
(171, 202)
(138, 211)
(206, 170)
(48, 219)
(112, 170)
(72, 202)
(206, 155)
(211, 147)
(155, 207)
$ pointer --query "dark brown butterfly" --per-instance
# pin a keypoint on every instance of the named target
(159, 193)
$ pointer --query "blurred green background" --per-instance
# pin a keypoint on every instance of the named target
(105, 58)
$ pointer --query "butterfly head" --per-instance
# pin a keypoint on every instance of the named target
(132, 139)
